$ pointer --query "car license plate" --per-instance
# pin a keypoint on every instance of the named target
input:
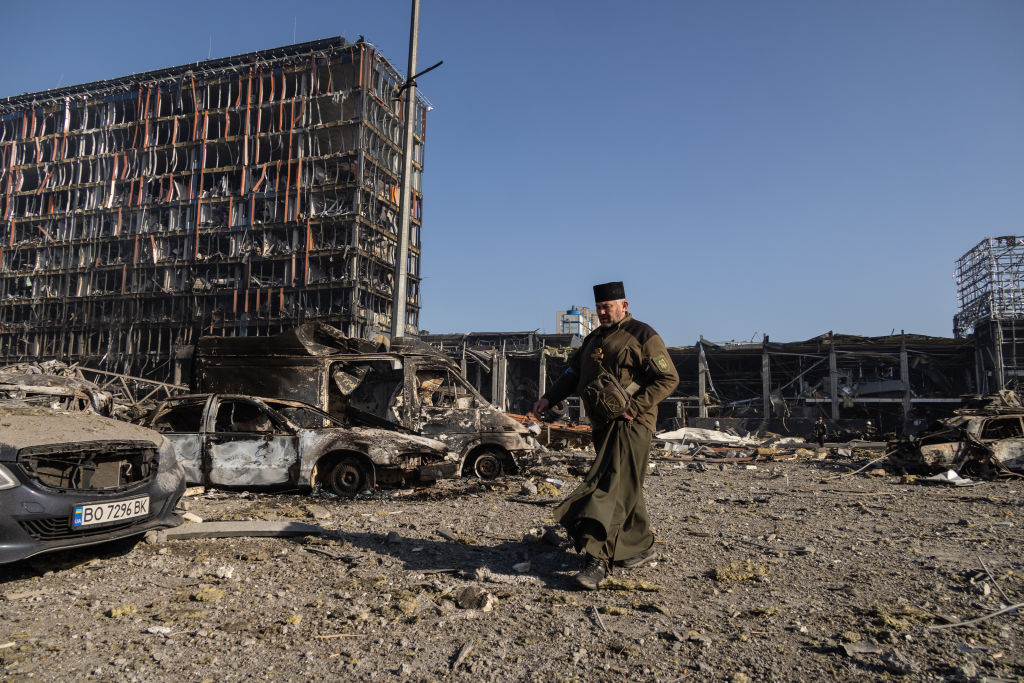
(114, 511)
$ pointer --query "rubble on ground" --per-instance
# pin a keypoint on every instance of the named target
(802, 569)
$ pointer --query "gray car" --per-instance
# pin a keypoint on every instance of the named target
(72, 478)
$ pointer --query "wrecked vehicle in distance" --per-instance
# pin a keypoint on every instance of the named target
(32, 384)
(71, 479)
(411, 386)
(987, 437)
(236, 440)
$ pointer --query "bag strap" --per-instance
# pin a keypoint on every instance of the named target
(632, 388)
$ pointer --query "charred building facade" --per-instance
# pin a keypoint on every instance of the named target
(238, 196)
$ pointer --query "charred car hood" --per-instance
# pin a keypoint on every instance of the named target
(22, 426)
(399, 440)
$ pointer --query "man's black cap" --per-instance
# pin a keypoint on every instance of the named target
(609, 291)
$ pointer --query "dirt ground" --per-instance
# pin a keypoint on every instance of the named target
(790, 570)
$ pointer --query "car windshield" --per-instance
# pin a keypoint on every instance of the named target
(184, 416)
(305, 417)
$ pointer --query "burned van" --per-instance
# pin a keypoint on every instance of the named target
(410, 386)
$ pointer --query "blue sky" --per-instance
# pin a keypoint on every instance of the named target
(747, 167)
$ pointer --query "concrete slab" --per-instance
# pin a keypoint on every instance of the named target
(257, 528)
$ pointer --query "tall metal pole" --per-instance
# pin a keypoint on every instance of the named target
(400, 288)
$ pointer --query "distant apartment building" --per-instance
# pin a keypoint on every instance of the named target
(238, 196)
(578, 320)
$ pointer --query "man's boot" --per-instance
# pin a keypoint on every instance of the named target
(595, 570)
(648, 555)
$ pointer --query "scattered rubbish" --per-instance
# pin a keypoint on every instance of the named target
(22, 596)
(700, 638)
(546, 489)
(555, 434)
(474, 597)
(255, 528)
(555, 536)
(318, 512)
(964, 647)
(896, 662)
(741, 570)
(208, 595)
(463, 653)
(616, 584)
(683, 439)
(121, 610)
(861, 648)
(950, 478)
(612, 610)
(53, 384)
(1012, 609)
(489, 576)
(597, 618)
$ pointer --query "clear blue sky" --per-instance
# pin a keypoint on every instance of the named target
(745, 166)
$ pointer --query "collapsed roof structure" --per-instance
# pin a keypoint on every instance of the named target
(900, 382)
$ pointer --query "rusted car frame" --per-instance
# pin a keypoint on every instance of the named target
(985, 441)
(247, 441)
(411, 386)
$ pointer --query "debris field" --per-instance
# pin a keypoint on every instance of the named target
(802, 569)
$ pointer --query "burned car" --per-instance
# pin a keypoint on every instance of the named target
(239, 440)
(987, 437)
(70, 479)
(30, 384)
(410, 386)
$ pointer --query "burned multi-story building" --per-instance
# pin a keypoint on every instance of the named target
(236, 196)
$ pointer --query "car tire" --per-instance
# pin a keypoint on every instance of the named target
(486, 465)
(348, 477)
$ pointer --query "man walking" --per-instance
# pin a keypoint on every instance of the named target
(819, 432)
(622, 371)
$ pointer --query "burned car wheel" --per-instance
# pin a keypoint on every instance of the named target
(348, 477)
(486, 465)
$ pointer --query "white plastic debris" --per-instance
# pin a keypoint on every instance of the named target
(951, 478)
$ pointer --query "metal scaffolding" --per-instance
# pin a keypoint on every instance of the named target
(990, 283)
(237, 196)
(990, 291)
